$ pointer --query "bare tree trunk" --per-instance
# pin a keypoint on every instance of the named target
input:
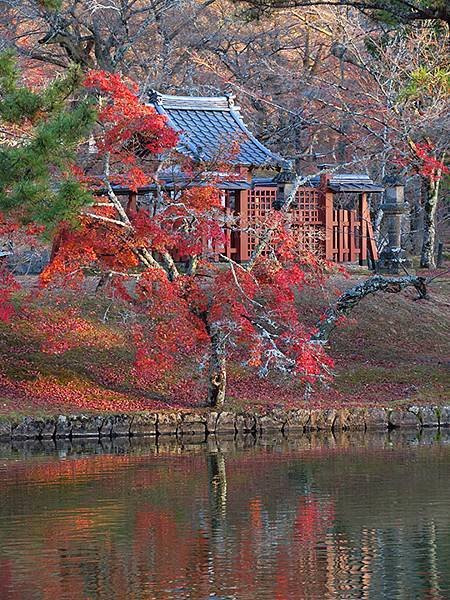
(415, 225)
(192, 265)
(217, 369)
(377, 227)
(377, 210)
(427, 260)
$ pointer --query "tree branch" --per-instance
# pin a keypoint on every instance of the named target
(351, 297)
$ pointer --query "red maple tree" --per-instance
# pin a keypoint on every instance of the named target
(162, 260)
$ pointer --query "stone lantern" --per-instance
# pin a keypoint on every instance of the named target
(392, 257)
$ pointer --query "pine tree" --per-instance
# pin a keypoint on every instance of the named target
(43, 131)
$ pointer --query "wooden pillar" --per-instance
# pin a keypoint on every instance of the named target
(328, 222)
(227, 231)
(352, 241)
(243, 253)
(365, 220)
(328, 206)
(341, 233)
(132, 202)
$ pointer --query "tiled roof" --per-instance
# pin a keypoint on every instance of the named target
(350, 182)
(212, 129)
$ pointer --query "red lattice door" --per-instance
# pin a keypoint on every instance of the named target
(259, 202)
(308, 219)
(307, 216)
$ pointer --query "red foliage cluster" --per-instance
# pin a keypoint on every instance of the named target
(256, 310)
(430, 166)
(170, 327)
(127, 125)
(424, 162)
(7, 227)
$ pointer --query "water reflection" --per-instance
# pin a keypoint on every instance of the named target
(311, 517)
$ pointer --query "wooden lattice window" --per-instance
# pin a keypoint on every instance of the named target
(308, 206)
(307, 216)
(260, 201)
(308, 219)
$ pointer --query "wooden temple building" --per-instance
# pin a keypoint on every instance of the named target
(212, 131)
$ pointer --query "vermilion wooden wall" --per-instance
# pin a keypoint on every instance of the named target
(339, 235)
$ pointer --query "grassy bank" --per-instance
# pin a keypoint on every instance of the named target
(393, 351)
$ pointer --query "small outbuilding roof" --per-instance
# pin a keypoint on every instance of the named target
(212, 130)
(350, 182)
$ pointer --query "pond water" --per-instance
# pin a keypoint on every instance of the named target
(314, 517)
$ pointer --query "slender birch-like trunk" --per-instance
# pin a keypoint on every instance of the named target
(427, 258)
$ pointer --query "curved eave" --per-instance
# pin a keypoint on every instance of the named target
(274, 159)
(187, 146)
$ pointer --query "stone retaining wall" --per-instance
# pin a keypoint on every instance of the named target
(230, 423)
